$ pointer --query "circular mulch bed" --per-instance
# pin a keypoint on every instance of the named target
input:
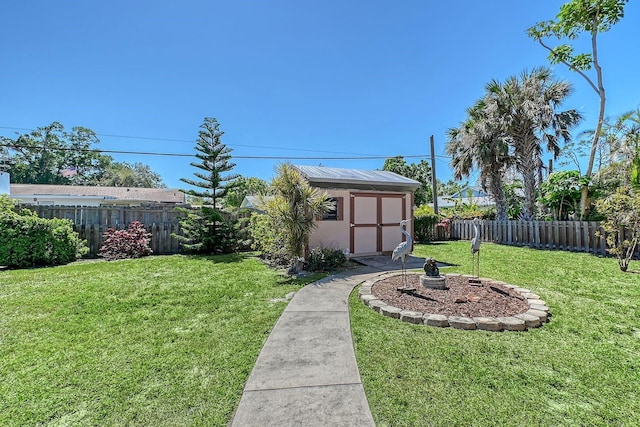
(461, 299)
(489, 305)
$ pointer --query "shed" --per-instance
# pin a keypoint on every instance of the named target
(368, 208)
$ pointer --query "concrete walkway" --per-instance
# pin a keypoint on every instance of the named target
(306, 374)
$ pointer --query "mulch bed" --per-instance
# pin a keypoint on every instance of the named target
(461, 299)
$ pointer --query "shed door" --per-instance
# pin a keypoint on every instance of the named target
(374, 222)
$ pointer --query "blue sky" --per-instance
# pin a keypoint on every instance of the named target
(289, 78)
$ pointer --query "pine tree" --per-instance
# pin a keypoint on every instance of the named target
(205, 229)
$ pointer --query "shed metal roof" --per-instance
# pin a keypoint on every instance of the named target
(326, 176)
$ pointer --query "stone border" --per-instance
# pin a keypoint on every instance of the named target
(537, 314)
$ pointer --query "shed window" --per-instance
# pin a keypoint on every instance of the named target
(336, 211)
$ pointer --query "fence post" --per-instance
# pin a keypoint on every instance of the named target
(578, 236)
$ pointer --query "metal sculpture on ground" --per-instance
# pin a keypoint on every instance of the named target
(475, 248)
(400, 252)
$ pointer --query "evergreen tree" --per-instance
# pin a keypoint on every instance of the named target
(205, 229)
(215, 161)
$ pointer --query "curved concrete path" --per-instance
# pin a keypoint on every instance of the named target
(306, 374)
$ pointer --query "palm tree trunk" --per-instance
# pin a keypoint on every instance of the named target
(529, 182)
(498, 194)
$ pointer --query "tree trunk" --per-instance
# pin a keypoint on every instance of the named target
(498, 194)
(585, 203)
(529, 182)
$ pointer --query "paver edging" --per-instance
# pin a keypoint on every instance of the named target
(537, 314)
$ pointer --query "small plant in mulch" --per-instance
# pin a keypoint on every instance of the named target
(325, 259)
(132, 242)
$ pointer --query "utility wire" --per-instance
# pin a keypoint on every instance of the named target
(193, 142)
(149, 153)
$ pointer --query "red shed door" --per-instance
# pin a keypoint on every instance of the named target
(375, 219)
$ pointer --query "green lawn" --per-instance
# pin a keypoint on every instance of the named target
(156, 341)
(582, 368)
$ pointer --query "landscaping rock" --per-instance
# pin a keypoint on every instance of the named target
(367, 298)
(535, 301)
(512, 324)
(530, 320)
(376, 304)
(542, 315)
(530, 295)
(390, 311)
(364, 289)
(462, 322)
(488, 323)
(411, 316)
(438, 320)
(540, 307)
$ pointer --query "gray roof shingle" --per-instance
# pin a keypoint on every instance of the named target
(159, 195)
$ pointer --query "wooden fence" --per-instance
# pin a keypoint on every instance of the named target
(573, 236)
(111, 215)
(430, 232)
(160, 220)
(161, 240)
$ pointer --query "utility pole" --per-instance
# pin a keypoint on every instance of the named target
(433, 177)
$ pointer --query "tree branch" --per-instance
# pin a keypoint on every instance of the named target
(571, 67)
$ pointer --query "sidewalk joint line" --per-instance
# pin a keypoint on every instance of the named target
(303, 386)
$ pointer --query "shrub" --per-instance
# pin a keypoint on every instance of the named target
(268, 239)
(424, 222)
(325, 259)
(130, 243)
(32, 241)
(424, 210)
(622, 224)
(6, 203)
(424, 227)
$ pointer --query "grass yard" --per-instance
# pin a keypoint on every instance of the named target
(582, 368)
(155, 341)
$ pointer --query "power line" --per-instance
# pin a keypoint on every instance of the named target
(192, 142)
(150, 153)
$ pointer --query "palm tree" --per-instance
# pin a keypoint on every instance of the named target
(622, 137)
(477, 143)
(295, 207)
(525, 109)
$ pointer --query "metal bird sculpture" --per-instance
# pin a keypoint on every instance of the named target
(402, 250)
(475, 248)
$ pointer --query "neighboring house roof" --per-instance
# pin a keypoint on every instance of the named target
(469, 191)
(157, 195)
(254, 202)
(325, 177)
(475, 195)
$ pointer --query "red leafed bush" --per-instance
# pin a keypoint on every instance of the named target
(130, 243)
